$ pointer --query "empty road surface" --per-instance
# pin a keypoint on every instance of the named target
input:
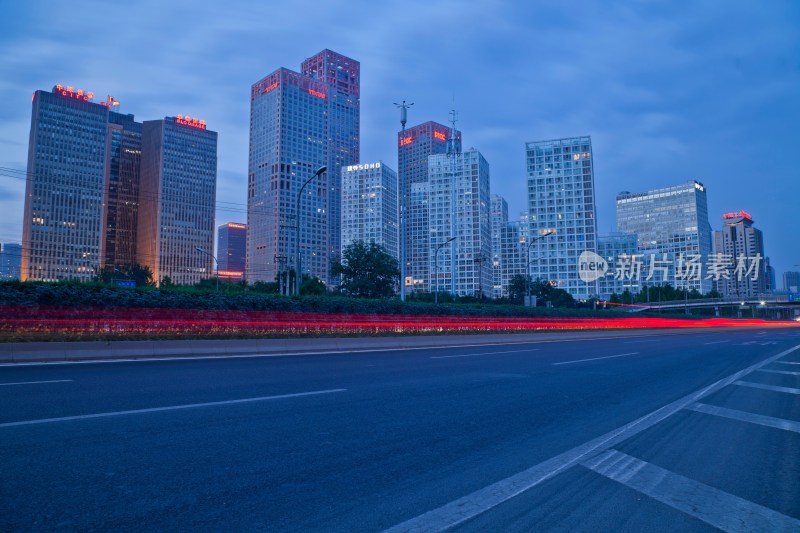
(697, 431)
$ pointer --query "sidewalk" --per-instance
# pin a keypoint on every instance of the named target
(27, 352)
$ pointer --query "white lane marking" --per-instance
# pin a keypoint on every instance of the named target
(167, 358)
(482, 353)
(36, 382)
(637, 342)
(713, 506)
(595, 358)
(788, 362)
(168, 408)
(482, 500)
(715, 342)
(785, 372)
(743, 416)
(764, 386)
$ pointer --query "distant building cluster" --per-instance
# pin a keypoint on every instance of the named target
(106, 192)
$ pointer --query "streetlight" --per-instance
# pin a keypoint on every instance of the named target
(215, 262)
(297, 274)
(479, 260)
(436, 261)
(528, 257)
(402, 186)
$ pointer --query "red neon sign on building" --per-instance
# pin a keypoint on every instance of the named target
(318, 94)
(439, 135)
(268, 88)
(70, 92)
(405, 141)
(189, 121)
(742, 214)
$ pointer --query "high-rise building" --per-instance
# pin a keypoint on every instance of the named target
(791, 281)
(669, 222)
(561, 198)
(10, 258)
(742, 247)
(369, 206)
(459, 205)
(298, 123)
(232, 251)
(62, 230)
(419, 142)
(616, 248)
(177, 197)
(499, 221)
(124, 152)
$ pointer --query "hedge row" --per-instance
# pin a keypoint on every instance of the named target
(97, 295)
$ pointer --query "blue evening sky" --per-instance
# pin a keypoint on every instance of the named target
(669, 91)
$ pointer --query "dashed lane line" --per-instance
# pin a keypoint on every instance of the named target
(167, 408)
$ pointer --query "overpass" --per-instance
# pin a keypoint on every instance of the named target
(776, 306)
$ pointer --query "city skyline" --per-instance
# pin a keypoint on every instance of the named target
(648, 131)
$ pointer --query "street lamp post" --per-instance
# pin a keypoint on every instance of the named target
(298, 276)
(480, 260)
(215, 262)
(402, 186)
(436, 262)
(528, 257)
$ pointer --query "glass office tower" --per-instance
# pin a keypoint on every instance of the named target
(369, 206)
(177, 199)
(298, 123)
(561, 198)
(62, 230)
(670, 220)
(419, 142)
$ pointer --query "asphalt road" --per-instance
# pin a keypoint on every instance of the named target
(678, 432)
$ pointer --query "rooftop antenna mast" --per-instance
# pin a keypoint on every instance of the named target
(453, 150)
(402, 176)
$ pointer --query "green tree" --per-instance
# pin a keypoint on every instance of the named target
(166, 283)
(312, 285)
(516, 289)
(367, 271)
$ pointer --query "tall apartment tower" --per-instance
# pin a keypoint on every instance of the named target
(615, 248)
(742, 242)
(499, 221)
(124, 152)
(298, 123)
(561, 197)
(232, 250)
(459, 205)
(62, 230)
(369, 206)
(177, 197)
(670, 220)
(420, 142)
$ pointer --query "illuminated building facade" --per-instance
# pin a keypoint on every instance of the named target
(369, 206)
(421, 141)
(459, 206)
(177, 197)
(124, 152)
(298, 123)
(507, 252)
(561, 197)
(10, 258)
(671, 220)
(232, 251)
(741, 241)
(62, 231)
